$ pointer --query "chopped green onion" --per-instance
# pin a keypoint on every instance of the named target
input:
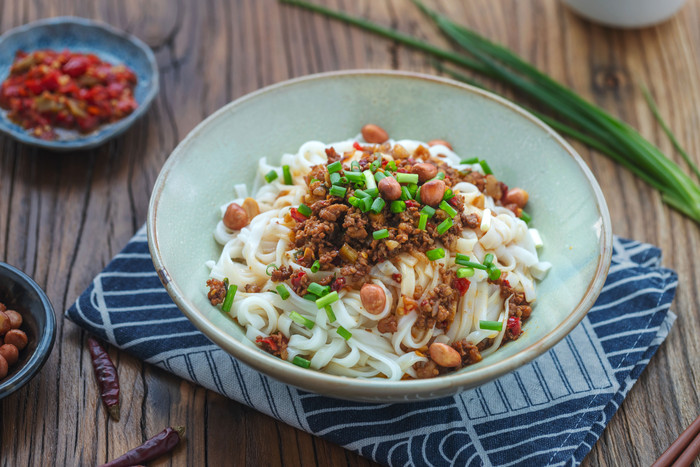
(335, 167)
(380, 234)
(301, 361)
(449, 194)
(471, 160)
(374, 166)
(423, 221)
(271, 176)
(354, 177)
(427, 210)
(491, 325)
(304, 210)
(452, 212)
(463, 260)
(318, 289)
(344, 333)
(413, 189)
(405, 194)
(314, 180)
(398, 206)
(316, 266)
(435, 254)
(494, 273)
(327, 300)
(310, 297)
(354, 166)
(417, 196)
(444, 226)
(366, 204)
(525, 216)
(330, 314)
(373, 192)
(228, 301)
(354, 201)
(485, 165)
(267, 269)
(439, 176)
(378, 205)
(362, 194)
(297, 318)
(488, 259)
(335, 178)
(465, 272)
(338, 191)
(287, 175)
(378, 176)
(390, 166)
(282, 290)
(369, 179)
(406, 178)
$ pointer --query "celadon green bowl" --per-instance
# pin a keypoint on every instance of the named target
(566, 204)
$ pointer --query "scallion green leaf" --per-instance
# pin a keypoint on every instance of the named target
(444, 226)
(423, 221)
(398, 206)
(465, 272)
(378, 205)
(329, 313)
(318, 289)
(334, 167)
(271, 176)
(327, 300)
(304, 210)
(228, 300)
(315, 267)
(486, 167)
(435, 254)
(427, 210)
(406, 178)
(301, 361)
(380, 234)
(470, 161)
(491, 325)
(452, 212)
(344, 333)
(297, 318)
(338, 191)
(283, 292)
(270, 267)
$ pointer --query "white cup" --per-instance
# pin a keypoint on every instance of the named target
(626, 13)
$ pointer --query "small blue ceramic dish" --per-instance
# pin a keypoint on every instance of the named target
(19, 292)
(87, 36)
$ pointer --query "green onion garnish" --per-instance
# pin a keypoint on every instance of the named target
(471, 160)
(330, 314)
(354, 201)
(417, 196)
(327, 300)
(449, 194)
(301, 361)
(344, 333)
(525, 216)
(228, 301)
(335, 178)
(304, 210)
(444, 226)
(287, 175)
(398, 206)
(413, 189)
(378, 176)
(314, 180)
(378, 205)
(366, 204)
(380, 234)
(361, 194)
(494, 273)
(369, 179)
(463, 260)
(405, 194)
(390, 166)
(427, 210)
(271, 176)
(452, 212)
(491, 325)
(374, 166)
(423, 221)
(318, 289)
(282, 290)
(316, 266)
(355, 177)
(297, 318)
(372, 191)
(487, 168)
(435, 254)
(406, 178)
(354, 166)
(465, 272)
(270, 266)
(310, 297)
(439, 176)
(488, 259)
(335, 167)
(338, 191)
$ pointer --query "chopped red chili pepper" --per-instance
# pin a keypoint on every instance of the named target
(107, 377)
(296, 279)
(462, 285)
(163, 442)
(267, 340)
(411, 204)
(358, 146)
(397, 277)
(338, 284)
(514, 325)
(296, 215)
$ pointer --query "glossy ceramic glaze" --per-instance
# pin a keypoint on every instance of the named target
(626, 13)
(87, 36)
(565, 203)
(19, 292)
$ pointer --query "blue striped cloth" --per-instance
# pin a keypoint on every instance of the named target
(549, 412)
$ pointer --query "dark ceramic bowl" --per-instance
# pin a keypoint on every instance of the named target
(87, 36)
(19, 292)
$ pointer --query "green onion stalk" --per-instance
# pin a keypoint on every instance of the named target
(568, 112)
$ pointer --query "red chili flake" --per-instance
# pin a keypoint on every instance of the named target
(411, 204)
(296, 215)
(401, 170)
(514, 325)
(462, 285)
(296, 279)
(338, 284)
(267, 340)
(453, 201)
(358, 146)
(505, 283)
(163, 442)
(384, 162)
(397, 277)
(107, 377)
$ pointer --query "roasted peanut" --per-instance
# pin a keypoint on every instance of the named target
(425, 171)
(389, 188)
(251, 207)
(4, 367)
(374, 134)
(10, 352)
(17, 338)
(436, 142)
(444, 355)
(5, 323)
(516, 196)
(235, 218)
(15, 318)
(373, 298)
(431, 193)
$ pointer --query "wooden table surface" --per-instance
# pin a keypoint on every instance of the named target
(63, 216)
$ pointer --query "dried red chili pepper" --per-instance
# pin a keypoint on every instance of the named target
(358, 146)
(338, 284)
(267, 340)
(107, 377)
(296, 215)
(462, 285)
(163, 442)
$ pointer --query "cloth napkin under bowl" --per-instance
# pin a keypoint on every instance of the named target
(549, 412)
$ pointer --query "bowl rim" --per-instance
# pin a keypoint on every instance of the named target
(44, 346)
(357, 388)
(94, 139)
